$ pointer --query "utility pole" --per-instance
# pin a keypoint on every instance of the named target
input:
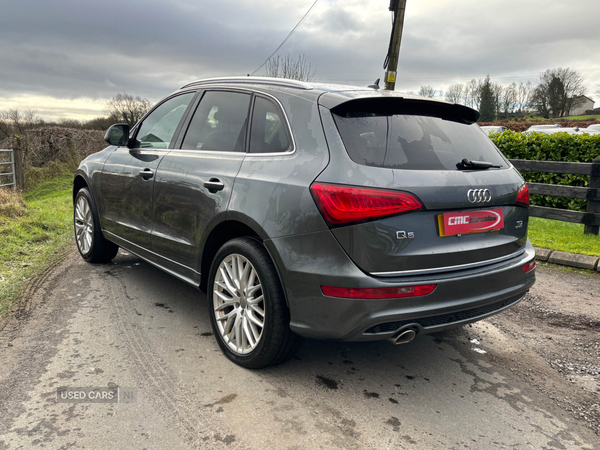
(397, 7)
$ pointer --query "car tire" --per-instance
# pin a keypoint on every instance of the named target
(236, 298)
(92, 245)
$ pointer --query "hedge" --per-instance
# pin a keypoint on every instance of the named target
(551, 147)
(46, 144)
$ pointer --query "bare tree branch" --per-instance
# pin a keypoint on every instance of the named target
(290, 67)
(127, 108)
(454, 94)
(427, 91)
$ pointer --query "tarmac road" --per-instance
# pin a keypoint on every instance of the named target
(493, 385)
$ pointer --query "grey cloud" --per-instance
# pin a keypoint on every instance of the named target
(71, 49)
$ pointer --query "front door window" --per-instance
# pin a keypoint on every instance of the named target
(157, 130)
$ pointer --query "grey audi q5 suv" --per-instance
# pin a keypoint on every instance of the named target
(312, 210)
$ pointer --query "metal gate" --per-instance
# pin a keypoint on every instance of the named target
(7, 159)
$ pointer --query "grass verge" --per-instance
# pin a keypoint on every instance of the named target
(35, 237)
(563, 236)
(583, 118)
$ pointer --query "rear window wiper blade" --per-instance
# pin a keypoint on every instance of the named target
(466, 164)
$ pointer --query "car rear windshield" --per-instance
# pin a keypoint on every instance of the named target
(413, 142)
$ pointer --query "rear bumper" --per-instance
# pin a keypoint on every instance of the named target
(307, 262)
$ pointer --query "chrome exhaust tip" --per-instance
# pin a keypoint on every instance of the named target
(404, 337)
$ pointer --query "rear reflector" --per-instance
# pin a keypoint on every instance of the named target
(342, 205)
(529, 266)
(523, 195)
(378, 293)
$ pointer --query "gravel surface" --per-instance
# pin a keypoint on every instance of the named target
(559, 322)
(526, 378)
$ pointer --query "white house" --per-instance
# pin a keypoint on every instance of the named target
(581, 104)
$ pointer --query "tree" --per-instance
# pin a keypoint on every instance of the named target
(454, 94)
(427, 91)
(290, 67)
(557, 92)
(473, 93)
(497, 92)
(509, 100)
(556, 96)
(127, 108)
(487, 104)
(15, 121)
(524, 92)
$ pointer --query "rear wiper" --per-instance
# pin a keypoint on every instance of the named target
(465, 164)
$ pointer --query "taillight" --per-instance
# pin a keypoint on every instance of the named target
(523, 195)
(342, 205)
(529, 266)
(379, 293)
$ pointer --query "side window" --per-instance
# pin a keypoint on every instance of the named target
(219, 123)
(158, 128)
(269, 130)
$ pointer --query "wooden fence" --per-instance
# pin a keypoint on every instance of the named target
(590, 218)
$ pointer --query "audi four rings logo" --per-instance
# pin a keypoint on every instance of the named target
(479, 195)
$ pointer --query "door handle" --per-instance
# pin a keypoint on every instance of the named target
(146, 174)
(213, 185)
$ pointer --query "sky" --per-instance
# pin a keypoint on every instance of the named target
(65, 58)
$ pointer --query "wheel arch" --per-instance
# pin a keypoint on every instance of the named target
(79, 182)
(236, 225)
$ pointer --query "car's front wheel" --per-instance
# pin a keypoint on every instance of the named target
(88, 235)
(247, 307)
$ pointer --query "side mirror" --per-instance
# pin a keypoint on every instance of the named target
(117, 134)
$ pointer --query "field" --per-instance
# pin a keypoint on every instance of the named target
(34, 232)
(563, 236)
(585, 118)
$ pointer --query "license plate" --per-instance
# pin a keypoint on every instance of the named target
(466, 222)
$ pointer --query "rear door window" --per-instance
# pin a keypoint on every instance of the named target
(219, 123)
(413, 142)
(269, 129)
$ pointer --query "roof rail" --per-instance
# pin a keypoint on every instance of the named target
(252, 80)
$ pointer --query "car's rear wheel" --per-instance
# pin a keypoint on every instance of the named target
(91, 244)
(247, 307)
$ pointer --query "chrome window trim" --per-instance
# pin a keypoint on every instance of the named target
(287, 122)
(251, 92)
(143, 149)
(450, 268)
(205, 152)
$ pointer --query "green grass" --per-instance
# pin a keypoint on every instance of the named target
(586, 118)
(33, 241)
(563, 236)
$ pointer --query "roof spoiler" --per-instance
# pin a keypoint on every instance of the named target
(387, 106)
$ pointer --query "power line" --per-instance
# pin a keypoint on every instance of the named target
(288, 36)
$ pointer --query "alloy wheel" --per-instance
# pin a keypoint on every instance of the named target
(238, 304)
(84, 225)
